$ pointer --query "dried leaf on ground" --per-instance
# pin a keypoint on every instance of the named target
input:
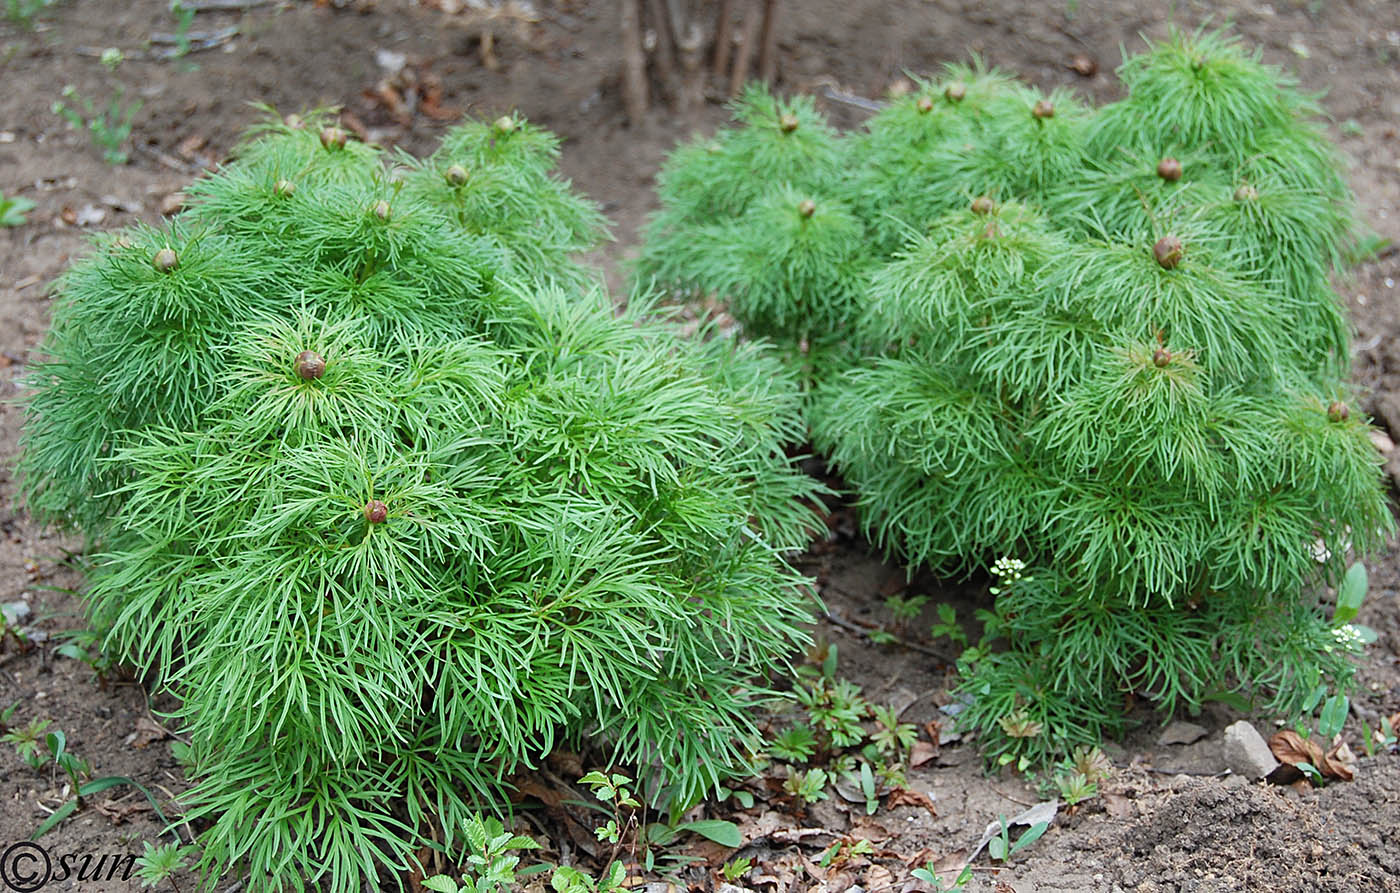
(923, 752)
(906, 797)
(1291, 748)
(147, 731)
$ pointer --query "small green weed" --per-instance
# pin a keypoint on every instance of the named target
(1001, 848)
(161, 863)
(491, 860)
(110, 126)
(22, 12)
(930, 876)
(13, 209)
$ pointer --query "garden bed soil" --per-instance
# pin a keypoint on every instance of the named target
(1167, 819)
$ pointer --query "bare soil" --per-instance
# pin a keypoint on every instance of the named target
(1167, 820)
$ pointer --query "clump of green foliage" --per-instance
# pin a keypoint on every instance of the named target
(1101, 343)
(389, 496)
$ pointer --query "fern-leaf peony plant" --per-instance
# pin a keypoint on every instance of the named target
(393, 501)
(1102, 344)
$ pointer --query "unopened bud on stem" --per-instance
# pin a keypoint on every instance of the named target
(1168, 252)
(376, 512)
(309, 365)
(333, 138)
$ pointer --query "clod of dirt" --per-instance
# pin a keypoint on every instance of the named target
(1210, 837)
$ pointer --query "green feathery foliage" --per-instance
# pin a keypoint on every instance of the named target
(1101, 341)
(393, 506)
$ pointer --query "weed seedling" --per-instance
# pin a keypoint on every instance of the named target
(1002, 849)
(13, 209)
(948, 626)
(808, 787)
(736, 868)
(492, 858)
(22, 12)
(29, 741)
(109, 126)
(930, 876)
(161, 863)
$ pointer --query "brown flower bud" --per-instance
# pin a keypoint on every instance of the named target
(925, 105)
(456, 175)
(1168, 252)
(1337, 411)
(955, 91)
(1161, 357)
(381, 209)
(165, 260)
(1169, 169)
(807, 207)
(983, 205)
(1246, 193)
(309, 365)
(284, 188)
(1043, 108)
(787, 123)
(376, 512)
(333, 138)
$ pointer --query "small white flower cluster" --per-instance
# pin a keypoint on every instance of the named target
(1008, 571)
(1348, 638)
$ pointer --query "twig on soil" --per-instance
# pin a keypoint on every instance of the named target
(860, 102)
(194, 37)
(796, 835)
(859, 629)
(1192, 772)
(169, 161)
(221, 5)
(183, 821)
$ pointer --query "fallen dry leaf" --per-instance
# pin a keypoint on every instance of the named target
(866, 828)
(761, 827)
(147, 731)
(905, 797)
(878, 877)
(923, 752)
(1291, 748)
